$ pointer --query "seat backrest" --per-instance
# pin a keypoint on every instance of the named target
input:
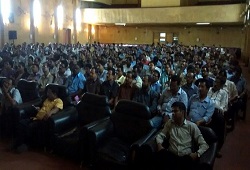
(131, 120)
(62, 94)
(29, 90)
(92, 107)
(208, 134)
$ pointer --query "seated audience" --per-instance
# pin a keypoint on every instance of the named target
(201, 107)
(110, 88)
(169, 96)
(179, 154)
(38, 125)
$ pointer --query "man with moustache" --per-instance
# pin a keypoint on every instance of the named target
(149, 97)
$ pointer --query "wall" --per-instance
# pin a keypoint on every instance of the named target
(45, 31)
(159, 3)
(188, 36)
(172, 15)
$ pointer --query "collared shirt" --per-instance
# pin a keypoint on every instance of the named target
(15, 94)
(219, 97)
(121, 80)
(231, 89)
(138, 82)
(182, 137)
(149, 98)
(156, 87)
(167, 99)
(48, 106)
(60, 79)
(93, 86)
(45, 79)
(103, 76)
(109, 90)
(240, 83)
(200, 109)
(190, 90)
(126, 91)
(76, 83)
(34, 77)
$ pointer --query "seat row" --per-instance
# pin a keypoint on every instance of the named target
(89, 132)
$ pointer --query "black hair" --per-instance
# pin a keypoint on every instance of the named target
(176, 78)
(180, 105)
(113, 71)
(202, 80)
(54, 90)
(158, 73)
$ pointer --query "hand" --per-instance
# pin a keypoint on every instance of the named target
(199, 122)
(194, 156)
(165, 118)
(160, 147)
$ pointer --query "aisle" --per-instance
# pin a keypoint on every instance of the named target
(236, 149)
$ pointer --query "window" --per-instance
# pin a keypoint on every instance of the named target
(78, 19)
(59, 13)
(37, 12)
(162, 35)
(5, 8)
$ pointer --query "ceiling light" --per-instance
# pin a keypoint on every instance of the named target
(123, 24)
(202, 23)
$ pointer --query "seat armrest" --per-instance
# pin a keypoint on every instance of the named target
(207, 158)
(100, 131)
(92, 124)
(144, 139)
(64, 121)
(26, 110)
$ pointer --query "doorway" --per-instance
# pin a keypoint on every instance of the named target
(67, 36)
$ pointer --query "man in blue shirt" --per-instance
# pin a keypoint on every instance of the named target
(201, 107)
(76, 83)
(190, 88)
(169, 96)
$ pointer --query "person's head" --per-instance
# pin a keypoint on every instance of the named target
(204, 71)
(111, 74)
(216, 70)
(203, 87)
(190, 77)
(238, 71)
(129, 78)
(8, 83)
(218, 83)
(179, 112)
(52, 93)
(119, 71)
(167, 68)
(7, 64)
(63, 66)
(35, 68)
(146, 83)
(175, 84)
(21, 67)
(93, 74)
(100, 66)
(151, 66)
(197, 68)
(45, 68)
(75, 69)
(88, 66)
(223, 75)
(155, 76)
